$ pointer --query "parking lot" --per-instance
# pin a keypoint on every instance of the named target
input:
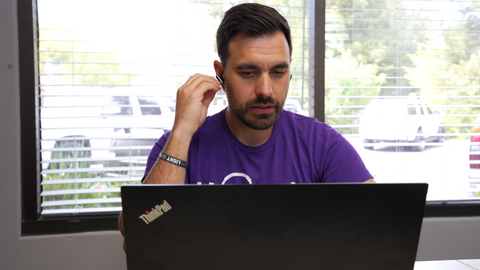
(445, 167)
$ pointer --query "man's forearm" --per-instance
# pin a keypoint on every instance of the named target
(164, 172)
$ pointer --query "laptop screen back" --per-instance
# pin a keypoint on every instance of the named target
(311, 226)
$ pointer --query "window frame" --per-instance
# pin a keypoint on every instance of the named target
(34, 224)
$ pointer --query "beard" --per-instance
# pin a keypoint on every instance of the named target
(254, 120)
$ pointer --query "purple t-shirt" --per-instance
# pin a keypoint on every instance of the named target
(300, 150)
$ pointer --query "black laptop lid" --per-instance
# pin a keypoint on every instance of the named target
(308, 226)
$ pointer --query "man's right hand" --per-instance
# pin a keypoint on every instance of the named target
(193, 99)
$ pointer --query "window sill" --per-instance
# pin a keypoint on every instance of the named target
(64, 224)
(452, 209)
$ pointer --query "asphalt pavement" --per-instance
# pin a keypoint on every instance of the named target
(445, 167)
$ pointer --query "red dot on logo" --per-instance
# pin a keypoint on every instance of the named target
(146, 212)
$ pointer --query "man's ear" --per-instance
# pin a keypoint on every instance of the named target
(219, 68)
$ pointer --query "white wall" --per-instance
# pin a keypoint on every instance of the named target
(449, 238)
(442, 238)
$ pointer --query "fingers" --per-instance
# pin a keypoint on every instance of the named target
(196, 90)
(199, 84)
(193, 99)
(208, 97)
(199, 80)
(120, 224)
(122, 229)
(201, 77)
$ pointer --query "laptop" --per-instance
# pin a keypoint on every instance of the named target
(304, 226)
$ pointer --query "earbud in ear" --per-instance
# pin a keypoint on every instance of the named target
(220, 79)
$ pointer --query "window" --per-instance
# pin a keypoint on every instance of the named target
(96, 93)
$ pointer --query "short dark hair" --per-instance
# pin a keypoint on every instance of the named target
(253, 19)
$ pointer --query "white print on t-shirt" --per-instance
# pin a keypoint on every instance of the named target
(239, 175)
(228, 177)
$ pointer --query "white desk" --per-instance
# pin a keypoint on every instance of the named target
(448, 265)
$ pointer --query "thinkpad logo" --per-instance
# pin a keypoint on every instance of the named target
(156, 212)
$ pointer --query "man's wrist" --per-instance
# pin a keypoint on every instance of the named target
(173, 160)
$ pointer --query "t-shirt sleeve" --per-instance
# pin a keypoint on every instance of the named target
(154, 153)
(343, 163)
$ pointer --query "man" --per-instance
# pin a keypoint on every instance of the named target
(253, 140)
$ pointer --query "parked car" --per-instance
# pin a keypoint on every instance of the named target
(408, 120)
(71, 122)
(475, 145)
(474, 156)
(138, 122)
(78, 126)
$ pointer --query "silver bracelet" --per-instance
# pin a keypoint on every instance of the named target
(173, 160)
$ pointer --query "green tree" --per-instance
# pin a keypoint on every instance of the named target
(379, 33)
(448, 69)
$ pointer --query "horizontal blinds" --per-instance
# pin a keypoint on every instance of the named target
(108, 80)
(384, 56)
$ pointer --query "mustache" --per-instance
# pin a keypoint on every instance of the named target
(258, 100)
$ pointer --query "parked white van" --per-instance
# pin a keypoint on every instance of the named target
(400, 120)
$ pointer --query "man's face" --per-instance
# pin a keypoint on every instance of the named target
(257, 75)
